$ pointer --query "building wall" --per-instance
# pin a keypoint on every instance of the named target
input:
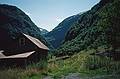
(5, 39)
(39, 56)
(12, 63)
(15, 47)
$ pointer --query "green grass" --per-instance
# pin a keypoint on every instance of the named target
(81, 63)
(85, 64)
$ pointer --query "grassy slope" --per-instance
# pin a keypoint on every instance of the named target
(81, 63)
(84, 64)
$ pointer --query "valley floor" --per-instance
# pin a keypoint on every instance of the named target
(79, 66)
(77, 76)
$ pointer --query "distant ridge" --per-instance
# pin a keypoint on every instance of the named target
(57, 35)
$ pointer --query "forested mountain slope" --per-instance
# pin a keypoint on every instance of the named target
(57, 35)
(14, 21)
(98, 27)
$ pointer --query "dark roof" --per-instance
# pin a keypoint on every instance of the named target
(37, 42)
(23, 55)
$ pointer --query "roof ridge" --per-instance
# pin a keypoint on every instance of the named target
(37, 42)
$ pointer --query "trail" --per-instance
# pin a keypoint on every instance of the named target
(77, 76)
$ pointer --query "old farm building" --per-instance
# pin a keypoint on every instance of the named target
(21, 51)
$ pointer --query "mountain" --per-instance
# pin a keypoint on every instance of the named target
(57, 35)
(43, 31)
(14, 21)
(96, 28)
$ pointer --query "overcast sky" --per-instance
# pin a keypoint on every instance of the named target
(48, 14)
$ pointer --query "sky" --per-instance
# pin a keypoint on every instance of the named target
(48, 14)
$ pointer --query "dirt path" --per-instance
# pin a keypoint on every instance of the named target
(77, 76)
(69, 76)
(72, 76)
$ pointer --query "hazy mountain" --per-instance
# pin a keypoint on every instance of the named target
(43, 31)
(57, 35)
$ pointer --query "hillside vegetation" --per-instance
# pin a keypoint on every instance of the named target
(83, 64)
(57, 35)
(98, 27)
(95, 31)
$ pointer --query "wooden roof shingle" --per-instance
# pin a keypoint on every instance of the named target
(37, 42)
